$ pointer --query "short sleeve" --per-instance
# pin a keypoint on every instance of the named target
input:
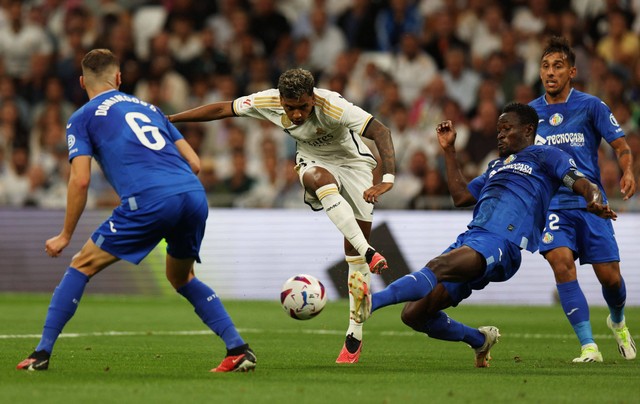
(605, 123)
(475, 185)
(78, 139)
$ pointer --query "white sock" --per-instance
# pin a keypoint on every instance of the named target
(342, 216)
(356, 264)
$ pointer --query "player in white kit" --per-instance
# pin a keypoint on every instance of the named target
(334, 164)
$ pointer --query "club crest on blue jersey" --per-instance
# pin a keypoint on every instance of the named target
(510, 159)
(613, 120)
(547, 237)
(71, 140)
(556, 119)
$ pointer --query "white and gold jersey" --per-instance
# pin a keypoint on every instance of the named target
(332, 132)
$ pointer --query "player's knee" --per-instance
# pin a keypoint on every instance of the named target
(439, 267)
(609, 275)
(317, 177)
(611, 281)
(178, 279)
(85, 263)
(411, 316)
(564, 272)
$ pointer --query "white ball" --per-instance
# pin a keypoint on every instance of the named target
(303, 297)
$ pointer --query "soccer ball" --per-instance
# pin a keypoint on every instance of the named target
(303, 297)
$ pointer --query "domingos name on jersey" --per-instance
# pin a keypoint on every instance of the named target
(103, 108)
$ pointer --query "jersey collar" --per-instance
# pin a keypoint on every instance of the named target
(565, 101)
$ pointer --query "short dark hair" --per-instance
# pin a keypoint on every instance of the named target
(558, 44)
(98, 60)
(294, 83)
(527, 115)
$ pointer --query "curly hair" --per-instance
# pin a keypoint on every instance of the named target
(294, 83)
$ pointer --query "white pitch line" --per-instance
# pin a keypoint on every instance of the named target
(260, 331)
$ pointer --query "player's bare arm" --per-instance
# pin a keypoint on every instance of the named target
(209, 112)
(625, 161)
(381, 135)
(189, 154)
(455, 180)
(591, 193)
(78, 188)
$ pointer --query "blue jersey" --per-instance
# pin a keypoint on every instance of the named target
(576, 126)
(134, 144)
(513, 194)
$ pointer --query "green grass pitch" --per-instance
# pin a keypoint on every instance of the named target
(155, 350)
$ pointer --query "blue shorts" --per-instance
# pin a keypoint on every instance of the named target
(590, 237)
(131, 234)
(502, 257)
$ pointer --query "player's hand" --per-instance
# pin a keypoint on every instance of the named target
(371, 195)
(54, 246)
(602, 210)
(446, 134)
(627, 185)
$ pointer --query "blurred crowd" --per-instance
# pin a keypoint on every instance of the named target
(409, 63)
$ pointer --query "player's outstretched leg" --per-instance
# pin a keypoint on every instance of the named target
(64, 303)
(350, 352)
(626, 344)
(341, 214)
(361, 293)
(483, 354)
(240, 359)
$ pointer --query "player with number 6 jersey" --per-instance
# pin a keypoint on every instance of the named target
(153, 170)
(134, 145)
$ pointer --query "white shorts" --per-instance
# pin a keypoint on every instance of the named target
(353, 179)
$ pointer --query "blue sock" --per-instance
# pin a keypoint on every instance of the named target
(576, 309)
(447, 329)
(210, 309)
(409, 288)
(64, 303)
(616, 299)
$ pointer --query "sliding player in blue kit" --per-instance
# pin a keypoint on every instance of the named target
(151, 167)
(576, 123)
(511, 200)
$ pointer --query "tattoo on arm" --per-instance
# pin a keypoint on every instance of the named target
(381, 135)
